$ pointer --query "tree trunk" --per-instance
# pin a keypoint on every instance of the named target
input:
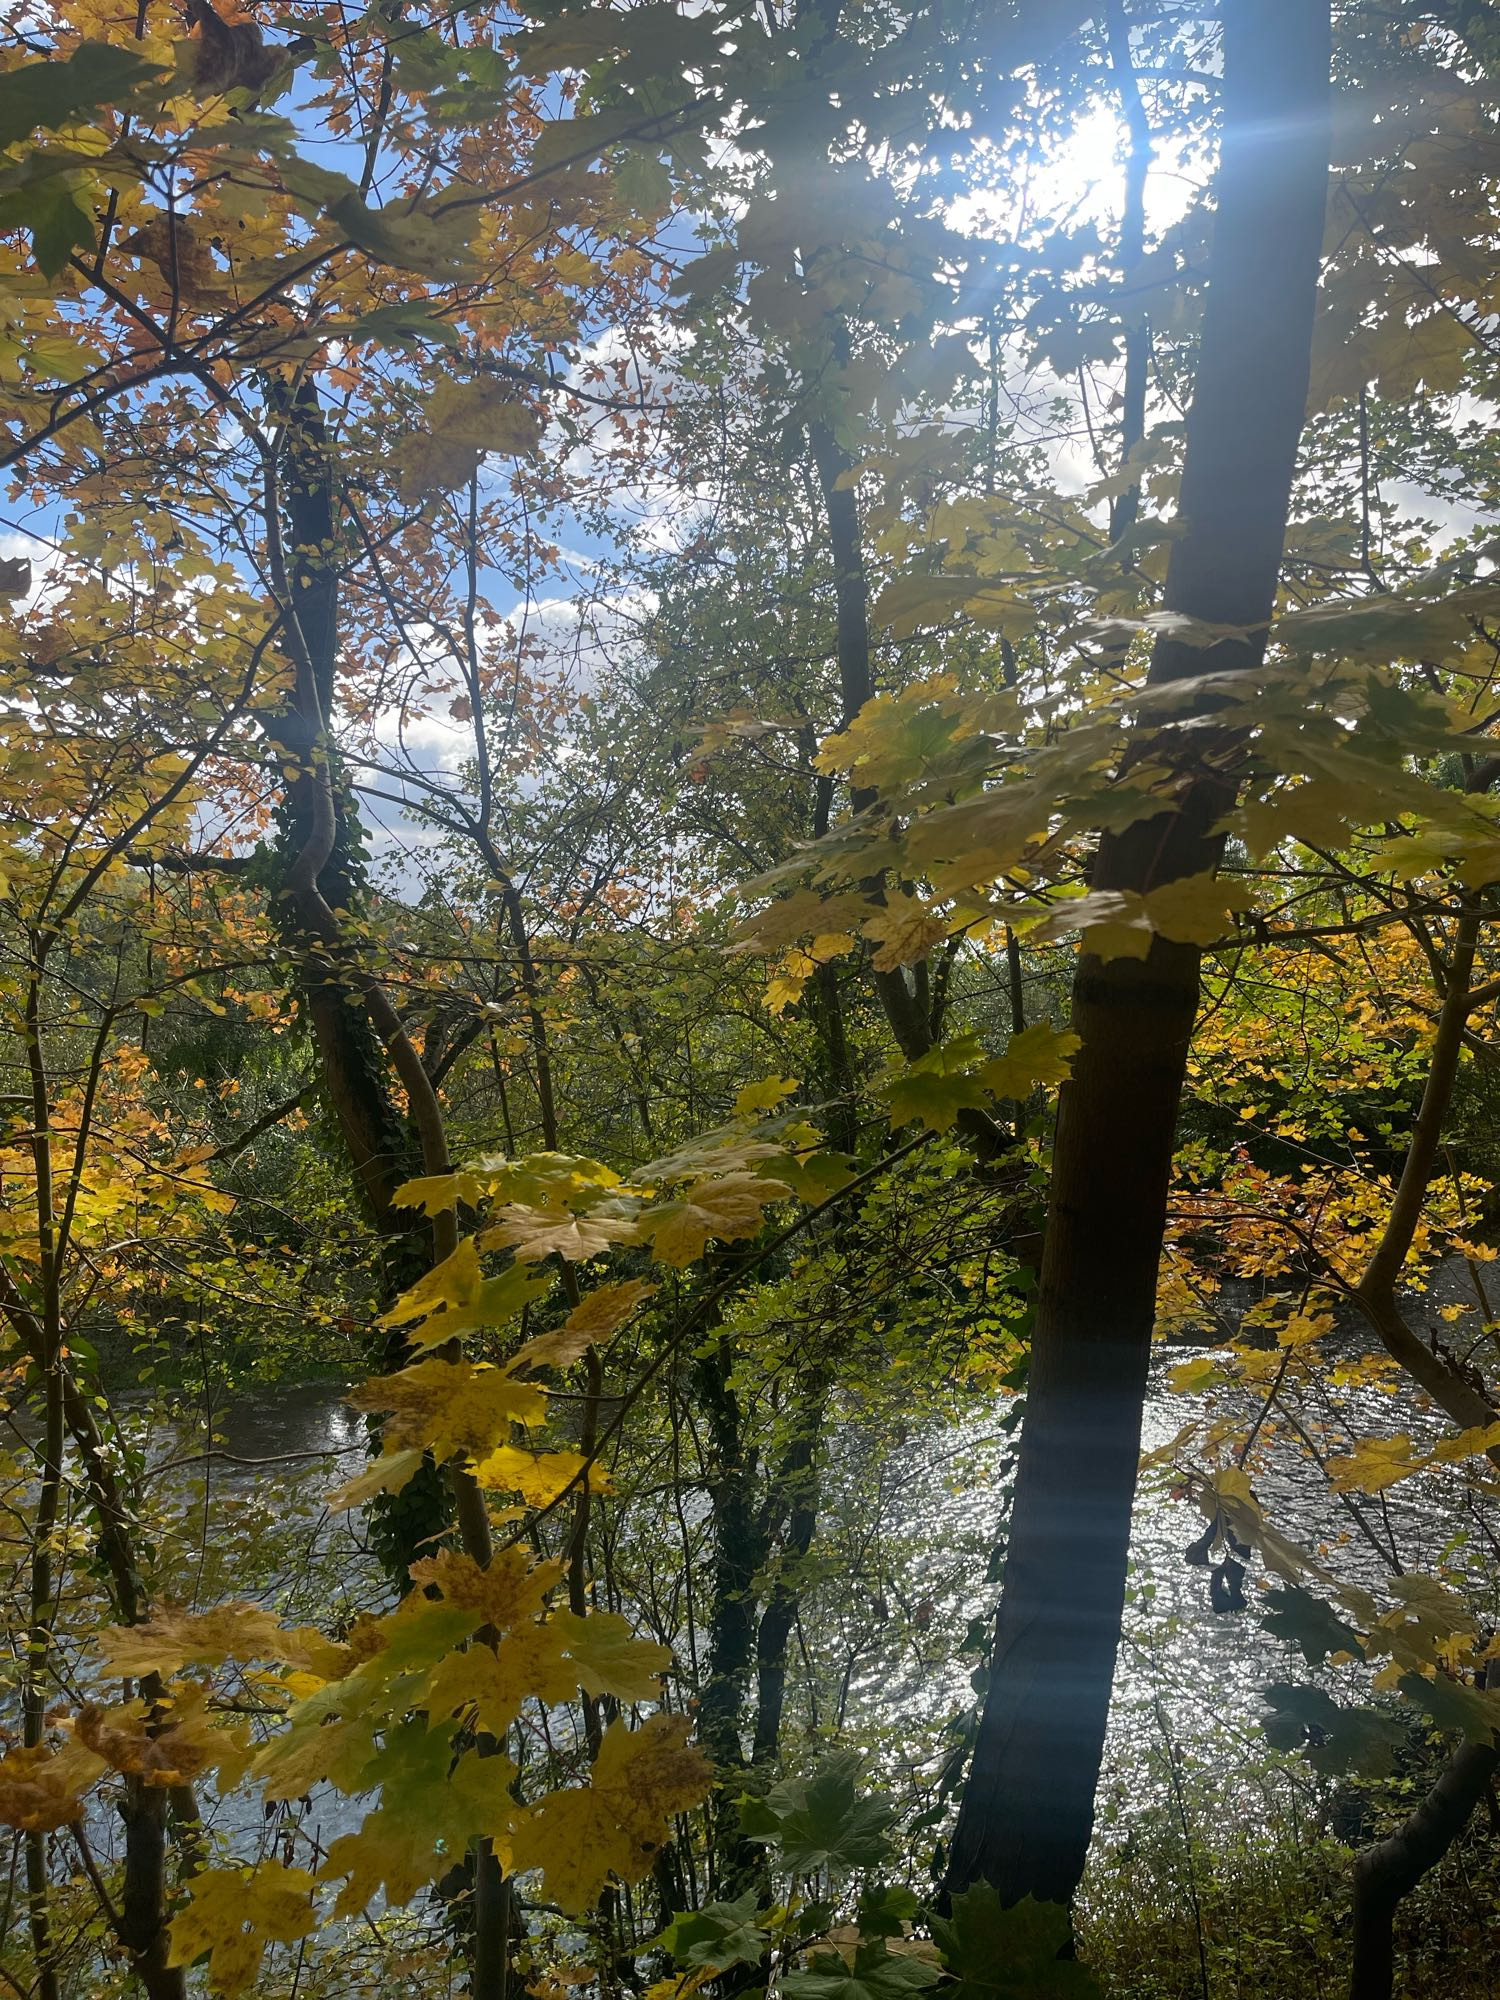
(1390, 1869)
(796, 1485)
(1027, 1809)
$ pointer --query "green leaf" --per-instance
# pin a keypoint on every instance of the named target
(58, 221)
(641, 180)
(876, 1974)
(403, 324)
(937, 1086)
(1010, 1954)
(812, 1179)
(432, 245)
(1363, 1740)
(1306, 1622)
(1039, 1054)
(54, 93)
(821, 1821)
(885, 1910)
(720, 1934)
(1453, 1704)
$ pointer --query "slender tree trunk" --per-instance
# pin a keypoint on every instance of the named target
(738, 1553)
(1126, 507)
(1390, 1869)
(1027, 1809)
(797, 1483)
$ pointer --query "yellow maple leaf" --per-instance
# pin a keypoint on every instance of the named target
(1038, 1054)
(42, 1789)
(452, 1283)
(510, 1591)
(545, 1232)
(593, 1319)
(608, 1656)
(903, 932)
(1196, 909)
(1474, 1443)
(387, 1474)
(434, 1194)
(540, 1477)
(235, 1631)
(393, 1853)
(1304, 1328)
(450, 1407)
(497, 1682)
(171, 1745)
(1374, 1464)
(763, 1096)
(464, 420)
(233, 1913)
(455, 1297)
(728, 1206)
(612, 1827)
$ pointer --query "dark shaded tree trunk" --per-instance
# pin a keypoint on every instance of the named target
(796, 1487)
(353, 1072)
(739, 1550)
(1392, 1868)
(1027, 1807)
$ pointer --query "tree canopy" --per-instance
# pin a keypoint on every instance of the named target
(752, 822)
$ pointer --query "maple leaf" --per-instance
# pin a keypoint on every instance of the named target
(455, 1297)
(903, 932)
(42, 1789)
(545, 1232)
(612, 1828)
(170, 1745)
(387, 1474)
(543, 1180)
(464, 421)
(450, 1407)
(894, 736)
(540, 1477)
(233, 1913)
(610, 1659)
(435, 1194)
(430, 1808)
(728, 1207)
(331, 1733)
(391, 1854)
(1306, 1622)
(1038, 1054)
(821, 1821)
(1359, 1739)
(726, 1151)
(1114, 922)
(877, 1973)
(593, 1319)
(497, 1682)
(937, 1086)
(509, 1591)
(718, 1935)
(763, 1096)
(235, 1631)
(815, 1177)
(1373, 1465)
(1000, 1953)
(1473, 1443)
(1196, 909)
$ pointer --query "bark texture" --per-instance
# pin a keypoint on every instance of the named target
(1027, 1809)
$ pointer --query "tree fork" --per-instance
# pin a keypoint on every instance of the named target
(1027, 1809)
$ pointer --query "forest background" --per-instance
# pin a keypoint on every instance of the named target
(749, 768)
